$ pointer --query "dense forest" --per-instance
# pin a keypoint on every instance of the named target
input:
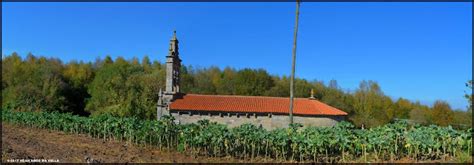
(129, 88)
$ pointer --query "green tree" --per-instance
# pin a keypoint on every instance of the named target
(252, 82)
(124, 89)
(370, 105)
(421, 113)
(187, 79)
(204, 80)
(135, 61)
(400, 109)
(281, 87)
(78, 76)
(108, 60)
(226, 82)
(35, 84)
(334, 96)
(302, 88)
(442, 113)
(462, 119)
(146, 64)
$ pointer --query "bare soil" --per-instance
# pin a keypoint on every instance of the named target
(30, 143)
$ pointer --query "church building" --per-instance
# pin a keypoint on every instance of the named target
(232, 110)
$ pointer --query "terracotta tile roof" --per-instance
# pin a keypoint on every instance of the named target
(252, 104)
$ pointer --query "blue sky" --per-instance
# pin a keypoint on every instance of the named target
(419, 51)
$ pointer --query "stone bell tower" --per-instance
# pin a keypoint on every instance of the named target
(172, 91)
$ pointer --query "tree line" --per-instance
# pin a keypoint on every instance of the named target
(129, 88)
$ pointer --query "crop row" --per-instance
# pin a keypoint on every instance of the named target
(327, 144)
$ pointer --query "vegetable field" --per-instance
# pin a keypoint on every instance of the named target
(341, 143)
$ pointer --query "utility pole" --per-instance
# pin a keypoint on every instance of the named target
(292, 79)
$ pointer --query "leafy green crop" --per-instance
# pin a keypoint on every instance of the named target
(318, 144)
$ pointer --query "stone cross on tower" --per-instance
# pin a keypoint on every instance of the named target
(173, 65)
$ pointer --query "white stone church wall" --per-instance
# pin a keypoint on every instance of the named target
(266, 121)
